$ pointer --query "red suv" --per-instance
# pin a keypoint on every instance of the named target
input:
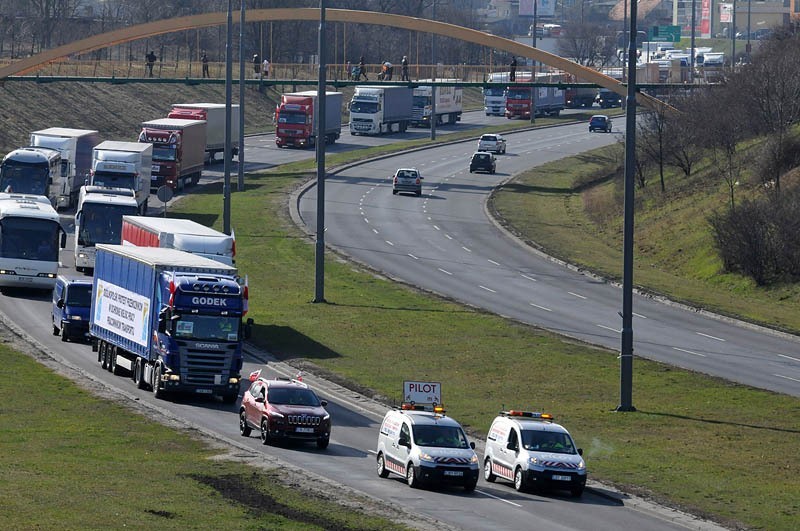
(284, 409)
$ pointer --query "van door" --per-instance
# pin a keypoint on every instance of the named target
(506, 456)
(399, 452)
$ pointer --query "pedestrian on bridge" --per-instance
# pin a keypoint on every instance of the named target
(256, 65)
(404, 69)
(362, 69)
(204, 60)
(265, 68)
(512, 76)
(150, 61)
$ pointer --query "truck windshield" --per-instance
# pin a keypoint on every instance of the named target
(364, 107)
(547, 441)
(207, 327)
(21, 178)
(79, 295)
(519, 94)
(421, 101)
(493, 91)
(29, 239)
(102, 223)
(298, 118)
(114, 180)
(165, 153)
(440, 436)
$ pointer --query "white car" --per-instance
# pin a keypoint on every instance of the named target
(493, 143)
(407, 180)
(532, 451)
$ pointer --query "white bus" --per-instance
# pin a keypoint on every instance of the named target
(31, 236)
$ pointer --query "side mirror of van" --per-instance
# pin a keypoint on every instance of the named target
(60, 303)
(402, 441)
(580, 451)
(472, 444)
(511, 446)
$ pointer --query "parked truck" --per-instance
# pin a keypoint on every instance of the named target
(75, 147)
(549, 99)
(171, 319)
(448, 103)
(182, 234)
(214, 116)
(179, 148)
(99, 220)
(123, 165)
(31, 171)
(377, 110)
(297, 119)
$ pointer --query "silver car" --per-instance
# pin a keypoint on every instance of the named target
(407, 180)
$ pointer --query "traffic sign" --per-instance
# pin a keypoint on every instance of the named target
(665, 33)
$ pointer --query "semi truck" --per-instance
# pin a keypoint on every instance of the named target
(549, 99)
(182, 234)
(214, 116)
(99, 220)
(297, 119)
(377, 110)
(123, 165)
(31, 171)
(494, 94)
(576, 97)
(448, 103)
(172, 320)
(75, 147)
(179, 148)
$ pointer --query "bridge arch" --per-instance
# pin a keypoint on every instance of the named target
(160, 27)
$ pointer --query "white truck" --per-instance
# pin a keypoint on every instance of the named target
(214, 115)
(448, 103)
(181, 234)
(494, 94)
(99, 220)
(377, 110)
(75, 146)
(124, 165)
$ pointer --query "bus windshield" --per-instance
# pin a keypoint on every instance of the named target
(22, 178)
(102, 223)
(29, 239)
(111, 179)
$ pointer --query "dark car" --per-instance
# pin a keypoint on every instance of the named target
(608, 98)
(483, 161)
(284, 409)
(600, 122)
(72, 298)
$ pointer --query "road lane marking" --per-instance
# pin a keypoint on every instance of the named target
(444, 271)
(609, 328)
(788, 357)
(412, 256)
(366, 221)
(448, 236)
(375, 231)
(689, 352)
(529, 278)
(436, 227)
(390, 243)
(787, 377)
(492, 262)
(466, 249)
(710, 337)
(498, 498)
(576, 295)
(487, 289)
(639, 315)
(540, 307)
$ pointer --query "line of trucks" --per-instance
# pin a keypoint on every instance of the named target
(374, 110)
(501, 99)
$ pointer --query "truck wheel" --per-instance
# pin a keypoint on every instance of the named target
(112, 361)
(145, 207)
(244, 429)
(230, 398)
(382, 471)
(138, 374)
(102, 356)
(157, 391)
(55, 328)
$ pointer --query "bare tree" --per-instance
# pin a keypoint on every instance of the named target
(586, 44)
(651, 138)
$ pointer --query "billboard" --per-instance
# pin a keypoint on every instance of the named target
(545, 8)
(726, 13)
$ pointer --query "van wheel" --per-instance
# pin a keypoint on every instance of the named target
(55, 329)
(488, 475)
(323, 443)
(469, 487)
(519, 480)
(382, 472)
(576, 492)
(63, 334)
(411, 477)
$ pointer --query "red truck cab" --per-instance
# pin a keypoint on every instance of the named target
(294, 121)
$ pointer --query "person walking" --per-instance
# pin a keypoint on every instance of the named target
(404, 69)
(512, 76)
(204, 60)
(265, 68)
(150, 61)
(256, 66)
(362, 69)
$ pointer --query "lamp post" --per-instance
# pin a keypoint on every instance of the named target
(692, 52)
(534, 88)
(226, 187)
(748, 49)
(433, 86)
(240, 157)
(319, 254)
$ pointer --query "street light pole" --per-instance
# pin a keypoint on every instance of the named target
(226, 187)
(319, 269)
(534, 88)
(692, 53)
(433, 87)
(240, 157)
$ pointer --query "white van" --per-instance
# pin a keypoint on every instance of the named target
(426, 447)
(532, 451)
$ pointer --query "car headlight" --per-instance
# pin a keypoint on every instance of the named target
(425, 457)
(581, 466)
(75, 318)
(474, 459)
(533, 460)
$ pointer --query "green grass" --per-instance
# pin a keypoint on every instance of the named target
(697, 442)
(74, 461)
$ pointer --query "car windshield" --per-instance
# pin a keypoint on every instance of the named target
(292, 397)
(79, 295)
(488, 138)
(481, 158)
(440, 436)
(547, 441)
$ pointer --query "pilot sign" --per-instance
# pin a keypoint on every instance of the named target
(422, 392)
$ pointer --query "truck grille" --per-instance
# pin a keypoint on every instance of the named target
(417, 114)
(303, 420)
(202, 367)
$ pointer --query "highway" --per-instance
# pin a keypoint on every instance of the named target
(452, 245)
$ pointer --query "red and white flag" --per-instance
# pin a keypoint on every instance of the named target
(254, 375)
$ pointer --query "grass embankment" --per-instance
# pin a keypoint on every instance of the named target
(71, 460)
(700, 443)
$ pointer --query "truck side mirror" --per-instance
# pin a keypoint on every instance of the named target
(63, 239)
(248, 328)
(162, 324)
(60, 303)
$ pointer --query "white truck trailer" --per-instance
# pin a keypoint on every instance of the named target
(448, 103)
(181, 234)
(377, 110)
(214, 115)
(124, 165)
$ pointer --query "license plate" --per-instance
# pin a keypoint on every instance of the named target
(456, 473)
(204, 391)
(561, 478)
(304, 430)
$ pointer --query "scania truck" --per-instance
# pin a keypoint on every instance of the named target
(297, 119)
(379, 110)
(182, 234)
(170, 319)
(123, 165)
(214, 116)
(75, 146)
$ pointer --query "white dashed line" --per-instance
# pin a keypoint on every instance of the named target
(375, 231)
(448, 236)
(540, 307)
(366, 220)
(609, 328)
(529, 278)
(444, 271)
(788, 357)
(787, 377)
(436, 227)
(487, 289)
(498, 498)
(689, 352)
(412, 256)
(639, 315)
(492, 262)
(390, 243)
(576, 295)
(466, 249)
(709, 337)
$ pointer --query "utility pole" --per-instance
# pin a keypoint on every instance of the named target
(534, 88)
(240, 157)
(433, 86)
(226, 187)
(319, 254)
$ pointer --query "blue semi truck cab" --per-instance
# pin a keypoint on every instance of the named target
(172, 320)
